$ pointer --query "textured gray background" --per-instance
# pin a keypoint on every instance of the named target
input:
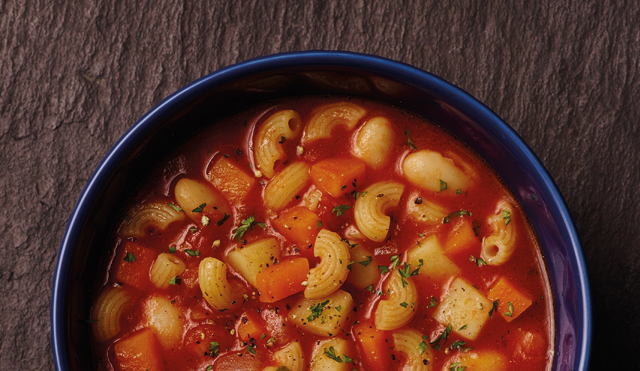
(75, 76)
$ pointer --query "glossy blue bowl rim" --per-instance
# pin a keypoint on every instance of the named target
(448, 92)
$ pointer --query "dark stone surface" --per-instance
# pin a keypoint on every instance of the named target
(75, 75)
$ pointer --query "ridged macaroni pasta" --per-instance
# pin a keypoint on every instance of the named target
(286, 185)
(370, 209)
(271, 135)
(498, 246)
(157, 214)
(325, 118)
(399, 305)
(332, 271)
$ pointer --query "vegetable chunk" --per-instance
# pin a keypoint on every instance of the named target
(300, 226)
(464, 308)
(325, 317)
(512, 301)
(133, 264)
(233, 182)
(336, 175)
(139, 351)
(282, 280)
(374, 347)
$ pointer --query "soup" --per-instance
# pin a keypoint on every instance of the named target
(323, 233)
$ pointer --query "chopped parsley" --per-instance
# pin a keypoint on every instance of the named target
(395, 260)
(199, 208)
(214, 348)
(351, 245)
(404, 304)
(129, 257)
(340, 209)
(478, 261)
(409, 142)
(383, 269)
(458, 191)
(192, 252)
(347, 359)
(423, 347)
(369, 288)
(506, 215)
(261, 225)
(405, 273)
(193, 229)
(433, 302)
(366, 262)
(437, 343)
(316, 310)
(251, 349)
(510, 312)
(175, 281)
(210, 367)
(263, 336)
(174, 207)
(250, 222)
(350, 264)
(456, 367)
(417, 270)
(224, 219)
(463, 328)
(226, 155)
(455, 214)
(339, 308)
(331, 353)
(443, 186)
(319, 224)
(494, 308)
(459, 344)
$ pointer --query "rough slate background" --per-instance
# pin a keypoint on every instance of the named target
(74, 77)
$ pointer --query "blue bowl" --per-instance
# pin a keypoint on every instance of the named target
(230, 89)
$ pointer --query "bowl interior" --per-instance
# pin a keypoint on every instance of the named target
(229, 90)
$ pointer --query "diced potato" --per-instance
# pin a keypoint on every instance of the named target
(464, 306)
(165, 319)
(481, 360)
(324, 353)
(362, 276)
(233, 182)
(436, 267)
(253, 258)
(139, 351)
(325, 317)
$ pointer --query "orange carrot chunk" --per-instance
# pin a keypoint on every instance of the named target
(461, 241)
(252, 326)
(139, 351)
(336, 176)
(283, 279)
(374, 347)
(300, 226)
(232, 181)
(132, 265)
(512, 300)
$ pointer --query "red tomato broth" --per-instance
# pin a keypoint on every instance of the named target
(234, 137)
